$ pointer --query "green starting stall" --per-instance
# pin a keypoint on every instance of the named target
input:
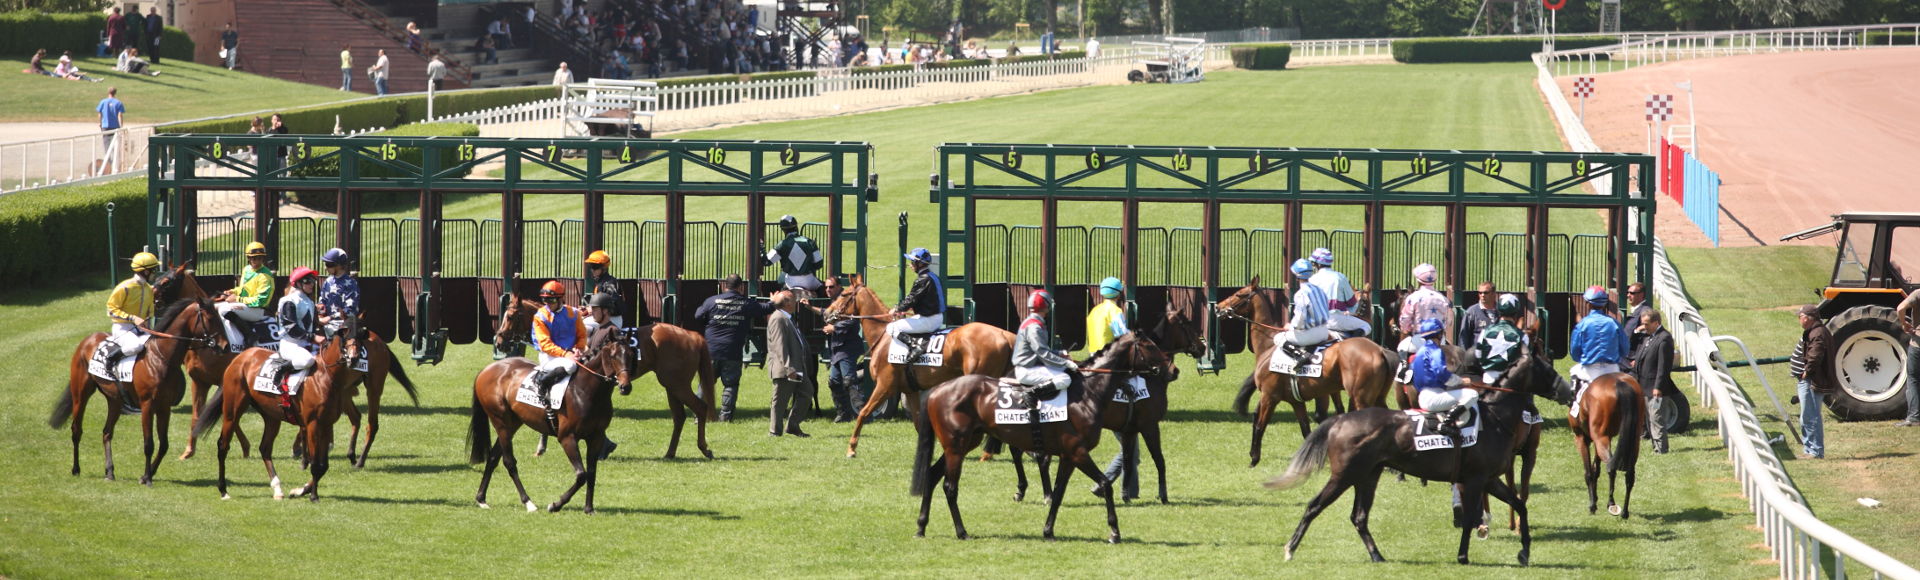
(1540, 224)
(428, 278)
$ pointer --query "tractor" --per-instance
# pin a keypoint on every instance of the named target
(1877, 264)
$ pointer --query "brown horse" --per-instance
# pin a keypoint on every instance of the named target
(1358, 366)
(972, 349)
(960, 413)
(1357, 446)
(1612, 415)
(675, 356)
(182, 326)
(322, 397)
(584, 413)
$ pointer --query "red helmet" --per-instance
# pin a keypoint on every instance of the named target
(301, 273)
(552, 288)
(1038, 299)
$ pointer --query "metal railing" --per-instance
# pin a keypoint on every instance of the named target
(49, 162)
(1643, 48)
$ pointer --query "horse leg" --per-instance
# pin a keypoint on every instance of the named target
(954, 462)
(594, 448)
(373, 424)
(1020, 472)
(319, 444)
(1300, 416)
(1151, 435)
(1363, 490)
(353, 439)
(486, 475)
(882, 390)
(936, 469)
(146, 444)
(1319, 409)
(1627, 502)
(1041, 463)
(1468, 512)
(1084, 461)
(270, 429)
(1591, 472)
(507, 459)
(80, 395)
(199, 400)
(1260, 416)
(158, 430)
(700, 413)
(1613, 478)
(229, 424)
(1517, 502)
(106, 432)
(1336, 485)
(570, 444)
(1053, 497)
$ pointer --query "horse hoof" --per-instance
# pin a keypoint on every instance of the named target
(483, 505)
(532, 508)
(1481, 532)
(553, 508)
(920, 534)
(1463, 559)
(1113, 538)
(1019, 496)
(960, 535)
(1614, 509)
(1289, 554)
(185, 455)
(588, 511)
(277, 496)
(707, 452)
(1254, 463)
(1523, 558)
(850, 454)
(315, 498)
(225, 497)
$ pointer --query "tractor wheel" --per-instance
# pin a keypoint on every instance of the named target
(1870, 364)
(1676, 412)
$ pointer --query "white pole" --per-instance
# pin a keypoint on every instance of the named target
(1693, 120)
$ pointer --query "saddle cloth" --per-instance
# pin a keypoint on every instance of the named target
(1137, 386)
(1283, 364)
(1014, 400)
(122, 371)
(264, 334)
(935, 350)
(263, 380)
(1423, 441)
(529, 393)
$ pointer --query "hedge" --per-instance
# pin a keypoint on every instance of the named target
(55, 233)
(377, 112)
(1262, 56)
(959, 63)
(885, 68)
(1505, 49)
(21, 33)
(1064, 54)
(1889, 37)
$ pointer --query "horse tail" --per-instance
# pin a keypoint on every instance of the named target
(208, 412)
(1626, 439)
(399, 372)
(62, 410)
(1310, 458)
(1240, 401)
(922, 452)
(707, 376)
(477, 433)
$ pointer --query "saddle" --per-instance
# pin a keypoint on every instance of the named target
(1021, 404)
(1458, 428)
(276, 376)
(109, 362)
(262, 334)
(1291, 359)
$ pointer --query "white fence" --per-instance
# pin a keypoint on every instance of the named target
(48, 162)
(541, 110)
(1643, 48)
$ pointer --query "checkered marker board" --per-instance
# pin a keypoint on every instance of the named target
(1583, 87)
(1659, 107)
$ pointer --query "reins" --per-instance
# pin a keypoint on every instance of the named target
(1244, 318)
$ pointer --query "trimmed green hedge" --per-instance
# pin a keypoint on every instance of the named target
(55, 233)
(1262, 56)
(1889, 37)
(380, 112)
(21, 33)
(959, 63)
(885, 68)
(1504, 49)
(1034, 57)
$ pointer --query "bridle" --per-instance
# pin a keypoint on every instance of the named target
(1133, 354)
(208, 341)
(1231, 313)
(851, 294)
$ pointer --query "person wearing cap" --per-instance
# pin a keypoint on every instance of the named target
(1652, 361)
(1341, 301)
(787, 365)
(339, 294)
(1308, 325)
(1497, 346)
(298, 323)
(1441, 392)
(924, 307)
(798, 257)
(1812, 366)
(559, 331)
(1035, 362)
(1424, 303)
(129, 306)
(1106, 322)
(728, 317)
(1598, 343)
(600, 279)
(246, 304)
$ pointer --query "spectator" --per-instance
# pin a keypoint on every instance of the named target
(1812, 365)
(501, 32)
(278, 126)
(844, 349)
(1013, 50)
(1637, 300)
(346, 67)
(130, 62)
(1481, 315)
(67, 70)
(379, 73)
(414, 42)
(1093, 47)
(257, 127)
(787, 364)
(436, 70)
(230, 46)
(1909, 312)
(36, 65)
(490, 47)
(116, 31)
(110, 110)
(562, 77)
(136, 27)
(728, 316)
(155, 28)
(1652, 361)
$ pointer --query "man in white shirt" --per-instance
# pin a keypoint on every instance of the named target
(562, 77)
(379, 73)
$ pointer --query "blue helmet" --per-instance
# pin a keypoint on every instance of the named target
(1111, 287)
(334, 256)
(920, 255)
(1302, 268)
(1429, 327)
(1596, 296)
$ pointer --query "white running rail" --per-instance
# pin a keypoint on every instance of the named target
(541, 110)
(1643, 48)
(49, 162)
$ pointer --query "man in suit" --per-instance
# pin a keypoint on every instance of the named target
(1651, 361)
(155, 28)
(787, 364)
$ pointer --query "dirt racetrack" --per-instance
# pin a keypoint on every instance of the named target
(1795, 137)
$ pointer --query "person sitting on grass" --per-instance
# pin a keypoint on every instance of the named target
(130, 62)
(66, 70)
(35, 66)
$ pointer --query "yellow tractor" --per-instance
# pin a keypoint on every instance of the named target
(1877, 264)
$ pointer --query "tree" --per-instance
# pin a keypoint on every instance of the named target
(1786, 12)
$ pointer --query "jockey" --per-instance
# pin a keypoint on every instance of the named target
(246, 304)
(1308, 327)
(924, 308)
(559, 331)
(1498, 347)
(1340, 297)
(1035, 362)
(1598, 342)
(798, 257)
(1440, 390)
(129, 306)
(339, 294)
(600, 279)
(1424, 303)
(297, 327)
(1106, 322)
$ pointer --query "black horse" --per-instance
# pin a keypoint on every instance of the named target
(1357, 454)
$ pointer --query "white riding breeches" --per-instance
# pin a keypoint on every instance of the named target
(808, 282)
(1437, 401)
(296, 355)
(1042, 375)
(247, 313)
(914, 325)
(561, 363)
(1587, 373)
(1304, 336)
(1408, 347)
(130, 339)
(1489, 377)
(1346, 322)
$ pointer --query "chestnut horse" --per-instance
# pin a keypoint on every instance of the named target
(1612, 415)
(1358, 366)
(972, 349)
(960, 413)
(184, 325)
(322, 397)
(675, 356)
(584, 412)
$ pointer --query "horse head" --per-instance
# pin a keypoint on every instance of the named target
(851, 301)
(1534, 374)
(1135, 354)
(1178, 333)
(612, 350)
(193, 320)
(1241, 302)
(516, 321)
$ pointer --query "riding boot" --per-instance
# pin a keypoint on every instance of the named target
(546, 379)
(1450, 423)
(280, 374)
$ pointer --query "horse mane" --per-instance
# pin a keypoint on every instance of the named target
(173, 310)
(1107, 353)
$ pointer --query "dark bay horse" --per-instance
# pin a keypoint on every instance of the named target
(183, 326)
(584, 413)
(1357, 446)
(1612, 415)
(676, 356)
(1357, 366)
(959, 414)
(972, 349)
(322, 398)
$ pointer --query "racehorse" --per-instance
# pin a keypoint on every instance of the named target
(1357, 365)
(675, 356)
(322, 398)
(972, 349)
(184, 325)
(1611, 414)
(1354, 449)
(206, 367)
(960, 412)
(584, 412)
